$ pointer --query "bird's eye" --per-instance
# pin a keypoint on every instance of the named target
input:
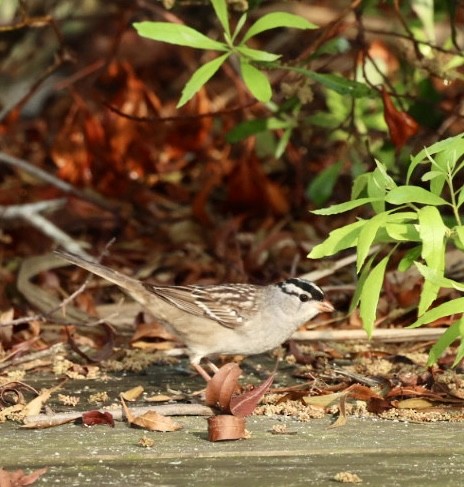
(304, 298)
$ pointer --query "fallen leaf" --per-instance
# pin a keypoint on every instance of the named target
(34, 407)
(18, 478)
(93, 418)
(226, 427)
(322, 401)
(413, 403)
(341, 420)
(132, 394)
(46, 423)
(151, 420)
(221, 387)
(245, 404)
(104, 353)
(378, 405)
(361, 393)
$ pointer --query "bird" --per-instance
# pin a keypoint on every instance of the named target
(223, 319)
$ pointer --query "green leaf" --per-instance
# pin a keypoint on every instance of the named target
(437, 278)
(387, 180)
(432, 232)
(460, 350)
(413, 194)
(428, 176)
(200, 77)
(448, 337)
(256, 81)
(342, 207)
(256, 55)
(341, 85)
(459, 236)
(338, 239)
(252, 127)
(278, 19)
(283, 142)
(359, 185)
(370, 295)
(424, 10)
(377, 185)
(366, 237)
(402, 232)
(460, 197)
(220, 8)
(361, 281)
(409, 257)
(239, 26)
(446, 309)
(452, 144)
(177, 34)
(321, 187)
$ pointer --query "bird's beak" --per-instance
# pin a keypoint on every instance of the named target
(325, 307)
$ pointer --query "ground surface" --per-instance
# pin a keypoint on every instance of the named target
(380, 452)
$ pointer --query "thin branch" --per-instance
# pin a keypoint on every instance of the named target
(387, 335)
(53, 180)
(48, 420)
(30, 212)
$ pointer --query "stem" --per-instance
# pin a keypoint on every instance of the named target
(449, 180)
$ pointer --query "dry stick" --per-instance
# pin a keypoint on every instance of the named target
(56, 348)
(334, 267)
(118, 415)
(30, 213)
(388, 335)
(54, 181)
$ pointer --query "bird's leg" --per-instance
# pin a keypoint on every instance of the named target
(202, 372)
(212, 366)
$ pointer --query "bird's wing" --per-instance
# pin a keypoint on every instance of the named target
(230, 305)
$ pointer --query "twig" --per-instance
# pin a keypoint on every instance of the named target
(118, 415)
(53, 350)
(335, 266)
(30, 212)
(389, 335)
(54, 181)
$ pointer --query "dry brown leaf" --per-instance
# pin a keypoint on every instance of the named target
(46, 423)
(341, 420)
(165, 398)
(18, 478)
(151, 420)
(226, 427)
(413, 403)
(33, 408)
(132, 394)
(221, 387)
(322, 401)
(245, 404)
(152, 330)
(361, 393)
(93, 418)
(400, 125)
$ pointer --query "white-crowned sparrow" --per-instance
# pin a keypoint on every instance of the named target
(222, 319)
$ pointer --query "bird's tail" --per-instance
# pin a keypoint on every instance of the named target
(132, 286)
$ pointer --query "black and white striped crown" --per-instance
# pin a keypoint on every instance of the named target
(297, 287)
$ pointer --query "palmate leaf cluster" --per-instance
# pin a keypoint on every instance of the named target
(233, 44)
(425, 220)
